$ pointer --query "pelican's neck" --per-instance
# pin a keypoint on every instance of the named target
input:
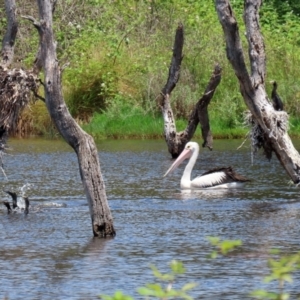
(186, 177)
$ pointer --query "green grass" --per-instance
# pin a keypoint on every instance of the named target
(126, 121)
(133, 123)
(121, 51)
(132, 126)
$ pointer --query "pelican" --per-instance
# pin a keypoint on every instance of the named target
(216, 178)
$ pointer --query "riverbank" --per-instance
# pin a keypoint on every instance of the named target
(119, 54)
(139, 126)
(136, 124)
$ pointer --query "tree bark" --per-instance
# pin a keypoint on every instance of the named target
(82, 143)
(8, 42)
(177, 140)
(7, 54)
(273, 124)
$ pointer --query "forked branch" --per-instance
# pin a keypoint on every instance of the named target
(177, 140)
(271, 125)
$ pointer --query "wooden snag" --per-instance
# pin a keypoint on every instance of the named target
(177, 140)
(270, 127)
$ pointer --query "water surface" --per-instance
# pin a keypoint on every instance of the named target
(51, 254)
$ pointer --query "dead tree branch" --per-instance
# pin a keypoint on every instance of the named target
(201, 110)
(273, 124)
(177, 140)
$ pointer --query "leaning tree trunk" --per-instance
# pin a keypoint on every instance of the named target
(177, 140)
(271, 125)
(81, 142)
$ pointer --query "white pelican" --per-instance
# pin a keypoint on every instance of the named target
(216, 178)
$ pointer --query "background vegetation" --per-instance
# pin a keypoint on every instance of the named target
(119, 53)
(282, 268)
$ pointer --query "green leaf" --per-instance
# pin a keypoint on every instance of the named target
(287, 278)
(177, 267)
(274, 251)
(159, 275)
(144, 291)
(117, 296)
(213, 254)
(262, 294)
(229, 245)
(154, 286)
(213, 240)
(189, 286)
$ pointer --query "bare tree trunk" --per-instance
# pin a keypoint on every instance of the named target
(81, 142)
(7, 53)
(177, 140)
(272, 123)
(8, 42)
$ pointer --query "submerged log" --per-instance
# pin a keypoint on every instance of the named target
(176, 141)
(273, 124)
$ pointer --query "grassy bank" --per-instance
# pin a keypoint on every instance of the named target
(145, 126)
(119, 53)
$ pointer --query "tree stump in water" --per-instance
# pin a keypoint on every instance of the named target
(177, 140)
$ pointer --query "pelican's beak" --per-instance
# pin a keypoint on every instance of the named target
(186, 153)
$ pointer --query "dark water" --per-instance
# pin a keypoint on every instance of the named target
(51, 254)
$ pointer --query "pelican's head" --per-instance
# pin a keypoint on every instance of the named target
(192, 146)
(187, 152)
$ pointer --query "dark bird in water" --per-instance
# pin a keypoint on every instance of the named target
(277, 102)
(26, 210)
(14, 198)
(16, 208)
(6, 203)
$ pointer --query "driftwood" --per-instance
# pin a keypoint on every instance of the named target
(272, 124)
(177, 140)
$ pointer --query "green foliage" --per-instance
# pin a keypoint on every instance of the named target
(124, 48)
(162, 290)
(223, 247)
(281, 270)
(88, 89)
(159, 291)
(136, 48)
(117, 296)
(124, 119)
